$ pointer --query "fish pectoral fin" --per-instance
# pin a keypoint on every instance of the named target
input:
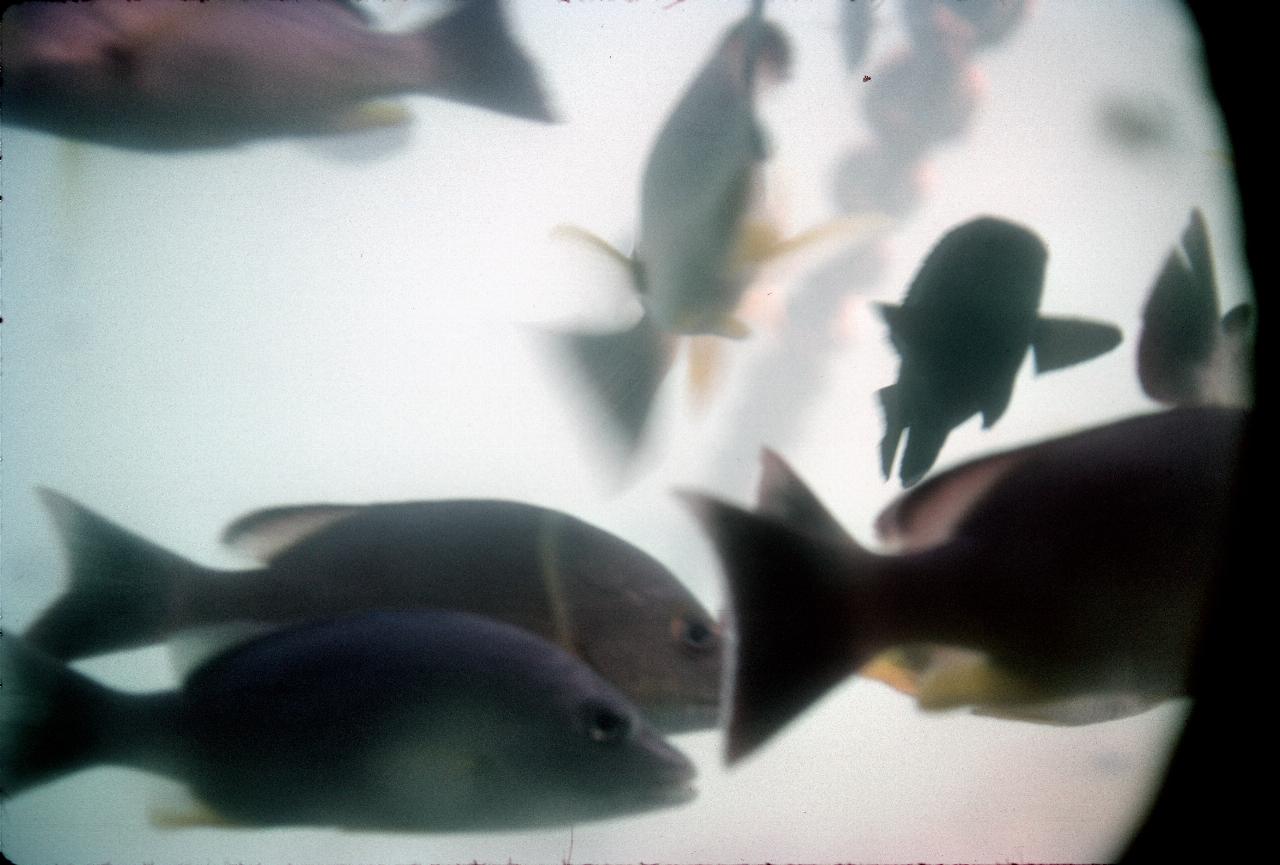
(564, 231)
(973, 680)
(191, 816)
(757, 241)
(732, 327)
(996, 404)
(1063, 342)
(370, 115)
(850, 230)
(891, 668)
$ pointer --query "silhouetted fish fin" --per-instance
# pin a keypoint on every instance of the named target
(476, 61)
(927, 515)
(193, 815)
(1239, 319)
(793, 609)
(783, 495)
(1072, 711)
(53, 720)
(266, 533)
(899, 323)
(1063, 342)
(997, 403)
(893, 428)
(123, 589)
(1195, 243)
(971, 679)
(624, 369)
(924, 443)
(1179, 329)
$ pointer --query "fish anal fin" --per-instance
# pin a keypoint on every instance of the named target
(266, 533)
(378, 114)
(706, 367)
(973, 679)
(195, 815)
(1062, 342)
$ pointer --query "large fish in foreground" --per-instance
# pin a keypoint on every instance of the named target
(1186, 354)
(697, 246)
(1065, 579)
(573, 584)
(435, 721)
(171, 75)
(969, 318)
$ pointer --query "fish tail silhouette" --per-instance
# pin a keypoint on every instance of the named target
(123, 589)
(795, 599)
(54, 720)
(475, 61)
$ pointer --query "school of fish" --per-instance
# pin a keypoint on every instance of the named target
(481, 664)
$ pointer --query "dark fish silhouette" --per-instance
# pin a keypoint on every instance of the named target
(969, 317)
(567, 581)
(1067, 576)
(1186, 355)
(433, 720)
(169, 75)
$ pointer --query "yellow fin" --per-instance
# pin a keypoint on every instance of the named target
(705, 367)
(581, 235)
(973, 681)
(192, 816)
(371, 115)
(892, 668)
(848, 229)
(757, 240)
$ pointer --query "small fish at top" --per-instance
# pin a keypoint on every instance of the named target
(576, 585)
(1186, 354)
(1063, 582)
(699, 242)
(422, 721)
(969, 318)
(170, 75)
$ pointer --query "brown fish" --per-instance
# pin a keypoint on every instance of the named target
(571, 583)
(170, 75)
(1076, 567)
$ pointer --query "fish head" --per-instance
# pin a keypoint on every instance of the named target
(574, 749)
(641, 629)
(755, 49)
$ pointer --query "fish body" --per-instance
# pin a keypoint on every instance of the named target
(170, 75)
(548, 572)
(696, 248)
(969, 318)
(436, 721)
(1067, 572)
(1189, 353)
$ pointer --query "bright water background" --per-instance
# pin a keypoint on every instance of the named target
(189, 338)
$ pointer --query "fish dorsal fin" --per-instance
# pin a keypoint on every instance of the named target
(266, 533)
(928, 515)
(1063, 342)
(784, 495)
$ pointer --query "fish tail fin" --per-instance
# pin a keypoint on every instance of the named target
(54, 720)
(783, 495)
(624, 370)
(123, 589)
(924, 443)
(795, 599)
(474, 60)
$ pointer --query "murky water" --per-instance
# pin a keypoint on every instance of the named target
(190, 337)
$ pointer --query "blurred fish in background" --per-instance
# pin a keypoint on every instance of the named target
(1186, 354)
(1077, 567)
(968, 321)
(698, 244)
(571, 583)
(171, 75)
(425, 721)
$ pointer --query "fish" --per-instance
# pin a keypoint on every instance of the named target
(1066, 578)
(420, 721)
(698, 242)
(167, 75)
(969, 318)
(1187, 355)
(588, 591)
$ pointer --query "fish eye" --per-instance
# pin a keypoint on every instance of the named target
(607, 725)
(695, 633)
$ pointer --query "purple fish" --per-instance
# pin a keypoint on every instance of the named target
(168, 75)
